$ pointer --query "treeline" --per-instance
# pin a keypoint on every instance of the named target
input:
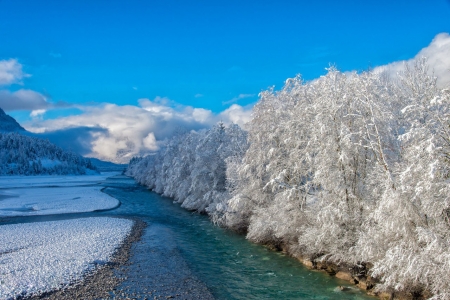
(24, 155)
(191, 167)
(351, 168)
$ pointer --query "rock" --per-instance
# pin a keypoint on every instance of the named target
(330, 270)
(321, 266)
(343, 288)
(308, 263)
(384, 296)
(363, 285)
(345, 276)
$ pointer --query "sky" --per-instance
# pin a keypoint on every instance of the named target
(112, 78)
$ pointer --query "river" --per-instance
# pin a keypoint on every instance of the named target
(181, 250)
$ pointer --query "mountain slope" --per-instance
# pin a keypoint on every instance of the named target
(106, 166)
(26, 155)
(8, 124)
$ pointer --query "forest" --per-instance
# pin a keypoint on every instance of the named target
(25, 155)
(350, 169)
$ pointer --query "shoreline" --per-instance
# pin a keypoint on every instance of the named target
(99, 283)
(366, 283)
(357, 276)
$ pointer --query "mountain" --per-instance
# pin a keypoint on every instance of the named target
(8, 124)
(26, 155)
(106, 166)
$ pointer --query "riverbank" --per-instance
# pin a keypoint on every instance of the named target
(43, 256)
(119, 278)
(102, 282)
(50, 195)
(184, 254)
(357, 275)
(73, 255)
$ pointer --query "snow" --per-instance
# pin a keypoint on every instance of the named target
(49, 163)
(47, 201)
(52, 180)
(371, 149)
(43, 256)
(45, 195)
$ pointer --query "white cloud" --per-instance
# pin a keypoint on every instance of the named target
(127, 126)
(150, 142)
(11, 72)
(37, 113)
(136, 130)
(236, 114)
(22, 100)
(202, 115)
(235, 99)
(438, 59)
(198, 95)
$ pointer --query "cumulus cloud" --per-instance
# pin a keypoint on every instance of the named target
(22, 100)
(76, 139)
(11, 72)
(150, 142)
(37, 113)
(236, 114)
(117, 133)
(438, 58)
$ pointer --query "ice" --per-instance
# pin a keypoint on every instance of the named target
(52, 180)
(44, 195)
(43, 256)
(46, 201)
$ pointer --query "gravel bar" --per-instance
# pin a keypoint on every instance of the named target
(107, 281)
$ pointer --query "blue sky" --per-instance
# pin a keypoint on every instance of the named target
(200, 54)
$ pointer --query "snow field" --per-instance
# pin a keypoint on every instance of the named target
(50, 200)
(52, 180)
(44, 256)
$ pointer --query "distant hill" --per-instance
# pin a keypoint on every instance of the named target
(106, 166)
(8, 124)
(26, 155)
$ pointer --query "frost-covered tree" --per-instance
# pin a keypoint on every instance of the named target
(191, 167)
(24, 155)
(355, 150)
(351, 168)
(407, 235)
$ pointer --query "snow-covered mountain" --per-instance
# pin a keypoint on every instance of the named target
(8, 124)
(26, 155)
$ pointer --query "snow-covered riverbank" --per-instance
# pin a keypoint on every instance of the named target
(45, 256)
(52, 180)
(41, 257)
(44, 195)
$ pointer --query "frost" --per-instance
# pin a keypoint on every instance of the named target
(348, 169)
(44, 256)
(24, 155)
